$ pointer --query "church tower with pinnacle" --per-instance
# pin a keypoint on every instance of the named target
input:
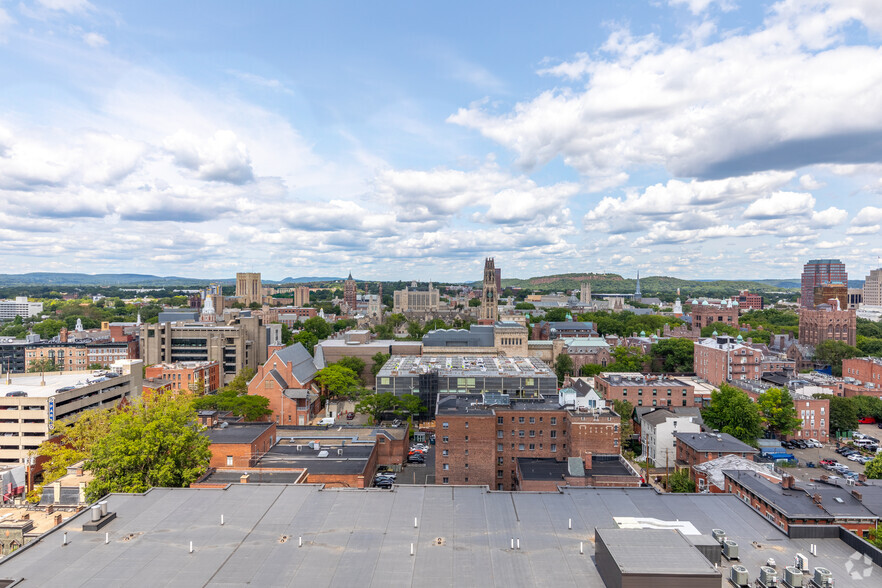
(637, 294)
(489, 305)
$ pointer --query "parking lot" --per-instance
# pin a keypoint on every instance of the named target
(827, 452)
(418, 473)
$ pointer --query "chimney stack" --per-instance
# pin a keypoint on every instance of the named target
(244, 479)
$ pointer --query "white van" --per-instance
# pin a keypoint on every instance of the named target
(326, 421)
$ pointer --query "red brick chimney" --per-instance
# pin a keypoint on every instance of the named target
(244, 479)
(587, 460)
(62, 336)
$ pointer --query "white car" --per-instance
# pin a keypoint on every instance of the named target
(854, 457)
(814, 443)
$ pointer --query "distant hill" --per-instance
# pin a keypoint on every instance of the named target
(147, 280)
(649, 286)
(302, 280)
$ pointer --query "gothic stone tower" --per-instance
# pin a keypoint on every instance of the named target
(350, 294)
(489, 306)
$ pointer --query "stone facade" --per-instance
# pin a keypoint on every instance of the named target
(816, 326)
(489, 309)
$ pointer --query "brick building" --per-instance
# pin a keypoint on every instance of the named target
(538, 474)
(726, 358)
(239, 445)
(705, 314)
(748, 301)
(709, 476)
(586, 351)
(827, 292)
(290, 315)
(825, 322)
(286, 379)
(645, 389)
(815, 416)
(202, 377)
(787, 504)
(358, 343)
(696, 448)
(865, 370)
(480, 437)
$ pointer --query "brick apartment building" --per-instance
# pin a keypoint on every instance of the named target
(286, 379)
(239, 445)
(480, 437)
(865, 370)
(645, 389)
(696, 448)
(748, 301)
(787, 504)
(202, 377)
(824, 322)
(726, 358)
(815, 416)
(705, 314)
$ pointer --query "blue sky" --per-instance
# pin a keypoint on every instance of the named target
(409, 140)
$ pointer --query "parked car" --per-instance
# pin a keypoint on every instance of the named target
(384, 483)
(867, 420)
(350, 416)
(854, 457)
(416, 459)
(814, 443)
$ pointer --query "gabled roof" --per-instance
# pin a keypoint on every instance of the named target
(303, 366)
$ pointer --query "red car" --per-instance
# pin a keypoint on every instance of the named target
(867, 421)
(350, 416)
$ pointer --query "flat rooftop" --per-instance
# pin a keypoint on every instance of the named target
(33, 386)
(462, 538)
(353, 460)
(337, 433)
(641, 380)
(236, 432)
(654, 551)
(466, 366)
(462, 403)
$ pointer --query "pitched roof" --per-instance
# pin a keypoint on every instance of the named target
(303, 366)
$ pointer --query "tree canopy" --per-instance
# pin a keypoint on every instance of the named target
(673, 355)
(235, 398)
(843, 413)
(733, 412)
(562, 367)
(778, 412)
(155, 441)
(833, 352)
(379, 359)
(355, 364)
(375, 405)
(338, 380)
(318, 327)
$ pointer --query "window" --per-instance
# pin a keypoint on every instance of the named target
(466, 424)
(467, 438)
(444, 439)
(521, 433)
(444, 480)
(466, 452)
(553, 434)
(445, 466)
(444, 425)
(520, 419)
(499, 475)
(229, 460)
(521, 447)
(498, 420)
(532, 433)
(532, 420)
(553, 420)
(553, 447)
(540, 419)
(499, 460)
(499, 447)
(466, 465)
(499, 434)
(532, 447)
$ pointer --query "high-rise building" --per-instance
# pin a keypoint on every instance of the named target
(248, 288)
(489, 310)
(350, 294)
(408, 300)
(585, 293)
(873, 288)
(9, 309)
(827, 322)
(818, 272)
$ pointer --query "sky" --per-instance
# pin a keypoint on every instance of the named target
(700, 139)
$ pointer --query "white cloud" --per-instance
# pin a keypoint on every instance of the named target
(807, 182)
(869, 215)
(69, 6)
(699, 6)
(865, 230)
(782, 97)
(780, 205)
(833, 244)
(221, 157)
(94, 40)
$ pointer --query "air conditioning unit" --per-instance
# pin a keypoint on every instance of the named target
(768, 577)
(793, 577)
(730, 549)
(719, 535)
(823, 578)
(738, 576)
(801, 562)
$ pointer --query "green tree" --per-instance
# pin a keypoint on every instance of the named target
(778, 413)
(833, 352)
(843, 413)
(556, 315)
(287, 335)
(255, 306)
(43, 365)
(680, 481)
(562, 367)
(591, 369)
(379, 359)
(673, 355)
(627, 359)
(732, 411)
(474, 302)
(374, 405)
(318, 327)
(396, 320)
(624, 409)
(867, 406)
(156, 441)
(234, 397)
(524, 306)
(338, 380)
(721, 329)
(48, 328)
(355, 364)
(307, 339)
(408, 404)
(873, 469)
(414, 331)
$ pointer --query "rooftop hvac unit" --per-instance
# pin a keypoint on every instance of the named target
(730, 549)
(719, 535)
(768, 577)
(801, 562)
(823, 578)
(738, 576)
(793, 577)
